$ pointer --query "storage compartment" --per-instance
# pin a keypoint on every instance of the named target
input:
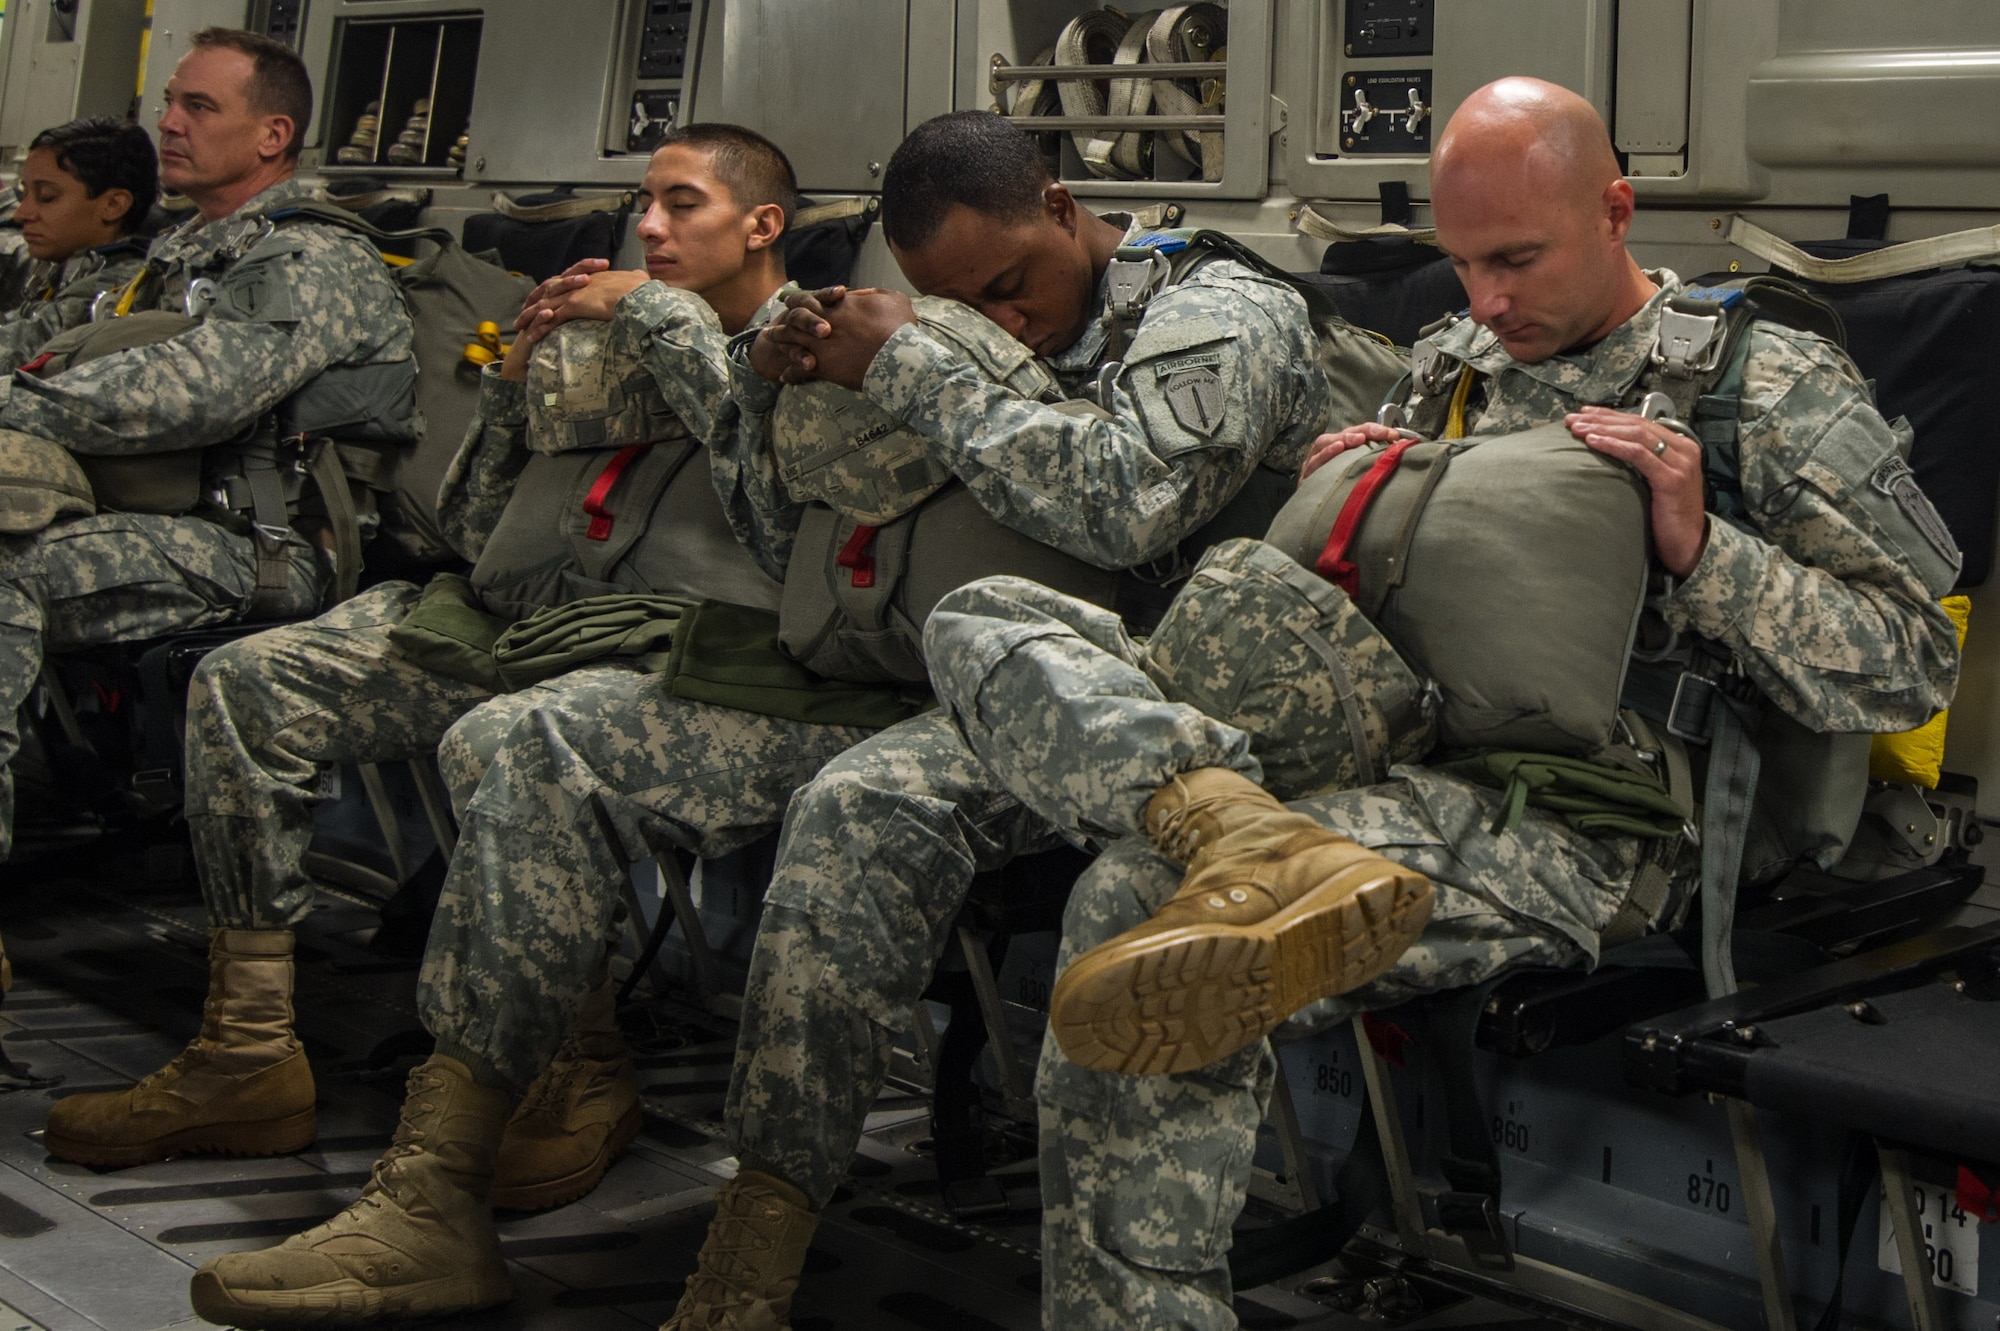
(402, 94)
(1124, 103)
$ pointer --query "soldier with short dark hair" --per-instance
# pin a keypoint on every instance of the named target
(85, 187)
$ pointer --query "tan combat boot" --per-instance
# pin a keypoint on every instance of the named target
(1275, 912)
(243, 1087)
(418, 1242)
(749, 1264)
(577, 1117)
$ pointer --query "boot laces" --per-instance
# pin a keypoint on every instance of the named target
(194, 1050)
(408, 1141)
(727, 1262)
(553, 1091)
(1178, 833)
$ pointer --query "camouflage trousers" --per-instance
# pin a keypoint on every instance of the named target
(121, 577)
(603, 770)
(270, 716)
(878, 853)
(1142, 1177)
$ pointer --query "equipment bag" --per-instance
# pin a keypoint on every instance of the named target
(856, 596)
(1509, 569)
(168, 483)
(574, 524)
(449, 293)
(823, 240)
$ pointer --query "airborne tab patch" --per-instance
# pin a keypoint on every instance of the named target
(1192, 386)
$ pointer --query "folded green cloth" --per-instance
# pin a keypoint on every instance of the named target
(729, 655)
(556, 640)
(1594, 798)
(450, 633)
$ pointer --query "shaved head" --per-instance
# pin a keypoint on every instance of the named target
(1538, 131)
(1533, 209)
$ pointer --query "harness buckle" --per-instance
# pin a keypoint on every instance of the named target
(1428, 365)
(1102, 390)
(1132, 280)
(1687, 344)
(1657, 406)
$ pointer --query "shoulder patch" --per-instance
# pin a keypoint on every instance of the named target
(256, 294)
(1192, 387)
(1895, 479)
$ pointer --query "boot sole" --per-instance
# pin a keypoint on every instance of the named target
(560, 1192)
(342, 1303)
(277, 1136)
(1181, 999)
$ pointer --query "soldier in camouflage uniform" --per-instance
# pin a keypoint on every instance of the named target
(87, 187)
(270, 716)
(280, 318)
(1827, 598)
(880, 848)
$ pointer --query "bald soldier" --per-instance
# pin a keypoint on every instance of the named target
(1180, 949)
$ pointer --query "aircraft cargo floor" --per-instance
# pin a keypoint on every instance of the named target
(110, 980)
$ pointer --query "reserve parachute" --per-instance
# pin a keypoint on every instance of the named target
(888, 530)
(619, 467)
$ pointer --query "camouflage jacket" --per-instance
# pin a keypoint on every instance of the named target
(60, 296)
(673, 334)
(282, 314)
(1115, 487)
(1828, 594)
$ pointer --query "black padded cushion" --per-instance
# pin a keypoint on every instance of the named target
(1931, 343)
(1388, 286)
(1926, 1077)
(543, 249)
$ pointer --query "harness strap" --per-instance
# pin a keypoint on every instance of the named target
(855, 557)
(601, 518)
(1733, 764)
(1333, 563)
(561, 210)
(1911, 256)
(323, 466)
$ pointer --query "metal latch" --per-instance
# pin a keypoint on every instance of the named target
(1688, 344)
(1132, 281)
(1475, 1218)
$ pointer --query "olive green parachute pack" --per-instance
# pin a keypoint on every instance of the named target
(1514, 572)
(617, 496)
(889, 532)
(1511, 569)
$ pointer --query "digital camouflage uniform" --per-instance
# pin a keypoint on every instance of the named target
(17, 266)
(59, 297)
(1830, 605)
(119, 577)
(881, 847)
(270, 716)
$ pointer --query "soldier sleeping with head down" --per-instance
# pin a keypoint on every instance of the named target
(1546, 823)
(1120, 399)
